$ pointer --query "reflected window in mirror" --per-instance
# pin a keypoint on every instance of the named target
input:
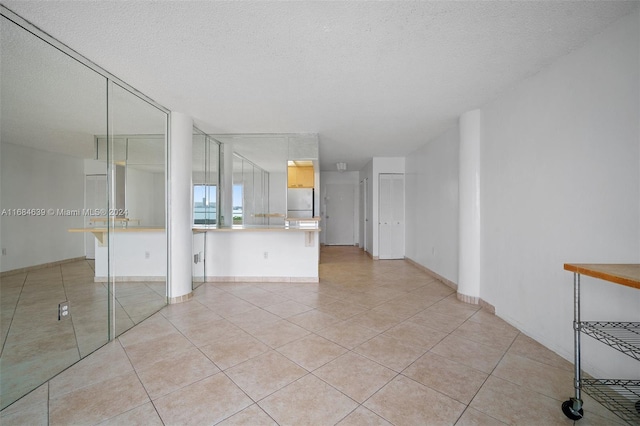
(238, 203)
(205, 204)
(205, 177)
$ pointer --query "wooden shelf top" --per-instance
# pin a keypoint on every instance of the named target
(118, 229)
(303, 219)
(255, 228)
(101, 232)
(627, 274)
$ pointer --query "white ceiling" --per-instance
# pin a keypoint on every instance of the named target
(371, 78)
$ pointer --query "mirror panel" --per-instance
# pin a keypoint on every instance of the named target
(248, 192)
(201, 213)
(146, 152)
(213, 180)
(200, 206)
(137, 250)
(67, 176)
(206, 196)
(259, 197)
(238, 187)
(303, 147)
(118, 149)
(51, 111)
(266, 197)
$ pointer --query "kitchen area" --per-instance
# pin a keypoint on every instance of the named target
(277, 239)
(300, 189)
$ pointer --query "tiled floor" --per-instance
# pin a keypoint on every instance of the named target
(35, 345)
(374, 343)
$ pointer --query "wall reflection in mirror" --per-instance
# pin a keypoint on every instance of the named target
(205, 178)
(63, 170)
(135, 259)
(250, 192)
(259, 177)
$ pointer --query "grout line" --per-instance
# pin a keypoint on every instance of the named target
(48, 402)
(487, 378)
(15, 308)
(141, 384)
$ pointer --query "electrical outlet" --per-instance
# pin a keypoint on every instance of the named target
(4, 251)
(147, 255)
(63, 310)
(266, 254)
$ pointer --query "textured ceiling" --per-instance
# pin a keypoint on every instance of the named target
(371, 78)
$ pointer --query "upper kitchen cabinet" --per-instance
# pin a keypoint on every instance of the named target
(300, 174)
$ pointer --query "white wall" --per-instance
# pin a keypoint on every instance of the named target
(432, 205)
(145, 197)
(40, 180)
(240, 255)
(561, 183)
(351, 178)
(139, 256)
(145, 193)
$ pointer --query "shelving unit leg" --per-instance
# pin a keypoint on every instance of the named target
(573, 407)
(576, 340)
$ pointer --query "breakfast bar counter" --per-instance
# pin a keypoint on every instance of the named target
(259, 252)
(138, 253)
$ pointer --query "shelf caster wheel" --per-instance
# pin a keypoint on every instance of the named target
(568, 410)
(638, 406)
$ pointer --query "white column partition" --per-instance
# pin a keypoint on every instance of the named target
(469, 205)
(179, 223)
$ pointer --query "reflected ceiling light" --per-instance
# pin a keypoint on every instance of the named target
(341, 166)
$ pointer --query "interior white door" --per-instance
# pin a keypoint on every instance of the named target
(368, 213)
(95, 197)
(391, 216)
(340, 212)
(363, 215)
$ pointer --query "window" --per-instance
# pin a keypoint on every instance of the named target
(237, 203)
(204, 204)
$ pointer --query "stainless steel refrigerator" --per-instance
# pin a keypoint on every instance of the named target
(300, 202)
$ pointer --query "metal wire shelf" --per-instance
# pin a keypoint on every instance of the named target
(623, 336)
(622, 397)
